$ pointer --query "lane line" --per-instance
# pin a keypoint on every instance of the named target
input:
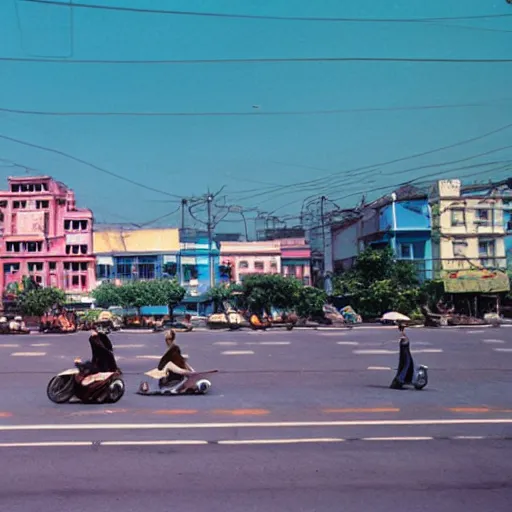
(154, 443)
(347, 343)
(468, 437)
(5, 414)
(367, 410)
(470, 410)
(237, 353)
(226, 343)
(493, 341)
(385, 352)
(40, 344)
(148, 357)
(9, 345)
(28, 354)
(129, 346)
(397, 439)
(283, 424)
(46, 444)
(502, 349)
(268, 342)
(242, 412)
(379, 368)
(283, 441)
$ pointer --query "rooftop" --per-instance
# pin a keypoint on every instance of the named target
(137, 241)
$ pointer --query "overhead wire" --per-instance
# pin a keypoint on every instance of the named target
(254, 113)
(264, 60)
(142, 10)
(88, 164)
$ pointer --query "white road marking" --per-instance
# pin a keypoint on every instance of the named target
(332, 333)
(28, 354)
(129, 346)
(283, 441)
(347, 343)
(226, 343)
(493, 341)
(468, 437)
(153, 443)
(8, 345)
(386, 352)
(268, 342)
(46, 444)
(502, 349)
(374, 352)
(283, 424)
(397, 439)
(379, 368)
(149, 357)
(40, 344)
(237, 353)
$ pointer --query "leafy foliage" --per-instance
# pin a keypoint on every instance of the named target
(378, 283)
(137, 294)
(36, 301)
(310, 302)
(224, 292)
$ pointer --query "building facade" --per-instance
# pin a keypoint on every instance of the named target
(45, 236)
(469, 228)
(126, 255)
(246, 258)
(296, 259)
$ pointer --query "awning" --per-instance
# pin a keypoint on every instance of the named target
(105, 260)
(476, 281)
(154, 310)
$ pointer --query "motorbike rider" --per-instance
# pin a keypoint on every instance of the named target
(103, 359)
(173, 361)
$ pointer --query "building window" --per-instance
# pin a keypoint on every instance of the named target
(83, 281)
(53, 265)
(76, 249)
(459, 248)
(29, 187)
(103, 271)
(458, 217)
(33, 246)
(259, 265)
(405, 252)
(35, 267)
(75, 280)
(3, 204)
(13, 246)
(273, 265)
(41, 205)
(75, 266)
(19, 205)
(11, 268)
(487, 253)
(243, 264)
(482, 216)
(75, 225)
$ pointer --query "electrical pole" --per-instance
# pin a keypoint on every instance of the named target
(322, 219)
(184, 203)
(210, 235)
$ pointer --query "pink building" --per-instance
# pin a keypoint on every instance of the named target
(45, 235)
(289, 257)
(247, 258)
(296, 259)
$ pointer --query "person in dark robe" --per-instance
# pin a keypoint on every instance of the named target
(103, 359)
(405, 372)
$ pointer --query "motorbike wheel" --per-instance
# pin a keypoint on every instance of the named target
(60, 389)
(116, 391)
(421, 382)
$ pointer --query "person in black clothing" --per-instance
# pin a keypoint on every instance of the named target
(103, 359)
(405, 372)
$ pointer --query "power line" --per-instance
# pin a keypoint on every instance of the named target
(385, 163)
(89, 164)
(264, 60)
(261, 17)
(494, 103)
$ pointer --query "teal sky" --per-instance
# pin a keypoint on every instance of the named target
(184, 155)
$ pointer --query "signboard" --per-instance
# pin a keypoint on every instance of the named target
(476, 281)
(30, 223)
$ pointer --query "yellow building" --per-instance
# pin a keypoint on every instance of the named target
(468, 236)
(136, 253)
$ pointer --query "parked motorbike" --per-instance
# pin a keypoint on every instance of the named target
(88, 387)
(420, 377)
(159, 384)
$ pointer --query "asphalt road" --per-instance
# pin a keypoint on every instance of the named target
(300, 420)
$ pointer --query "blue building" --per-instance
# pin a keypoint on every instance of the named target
(401, 221)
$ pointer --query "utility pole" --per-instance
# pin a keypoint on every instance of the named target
(322, 219)
(209, 200)
(184, 203)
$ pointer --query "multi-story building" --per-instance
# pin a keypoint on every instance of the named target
(468, 230)
(45, 235)
(246, 258)
(296, 259)
(127, 254)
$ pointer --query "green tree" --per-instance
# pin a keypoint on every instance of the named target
(378, 283)
(310, 302)
(36, 301)
(164, 292)
(107, 295)
(224, 293)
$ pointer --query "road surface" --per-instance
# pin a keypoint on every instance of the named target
(300, 420)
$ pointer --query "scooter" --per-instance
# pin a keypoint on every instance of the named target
(192, 384)
(420, 377)
(79, 383)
